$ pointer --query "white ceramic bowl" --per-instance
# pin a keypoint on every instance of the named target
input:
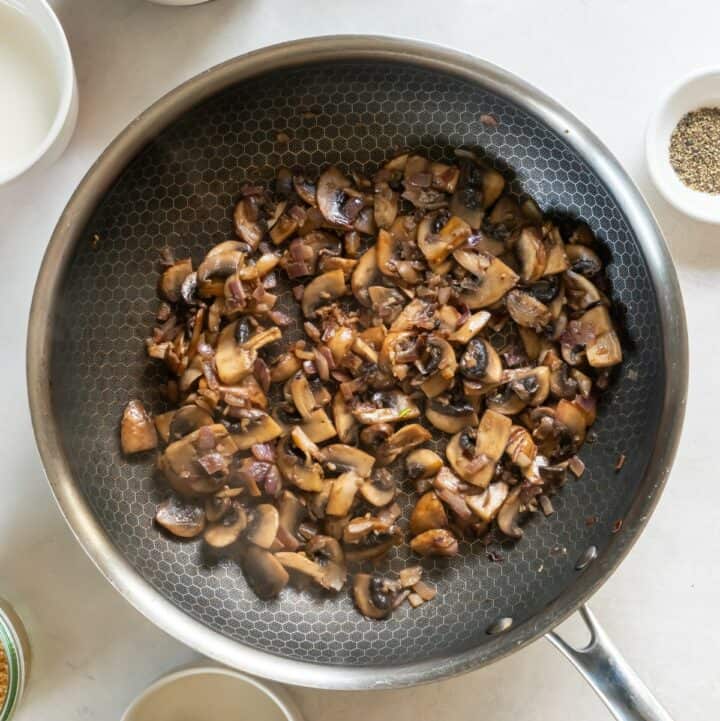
(212, 693)
(58, 136)
(699, 90)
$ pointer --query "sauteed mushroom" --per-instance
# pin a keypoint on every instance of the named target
(434, 308)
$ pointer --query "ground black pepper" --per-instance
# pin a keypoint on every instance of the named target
(695, 150)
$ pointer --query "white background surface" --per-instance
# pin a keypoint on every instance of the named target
(608, 62)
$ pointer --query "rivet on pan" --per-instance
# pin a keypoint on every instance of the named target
(587, 558)
(502, 624)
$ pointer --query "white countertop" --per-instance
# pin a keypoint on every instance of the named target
(607, 62)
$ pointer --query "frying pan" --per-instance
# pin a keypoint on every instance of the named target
(171, 178)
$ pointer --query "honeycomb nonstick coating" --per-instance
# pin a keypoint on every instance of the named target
(180, 191)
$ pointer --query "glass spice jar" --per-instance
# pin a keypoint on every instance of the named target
(14, 660)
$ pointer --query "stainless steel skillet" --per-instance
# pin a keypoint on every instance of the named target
(171, 178)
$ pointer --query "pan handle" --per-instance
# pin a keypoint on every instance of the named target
(602, 666)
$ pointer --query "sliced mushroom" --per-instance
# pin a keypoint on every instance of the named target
(605, 351)
(227, 530)
(388, 407)
(436, 247)
(380, 490)
(137, 431)
(464, 459)
(233, 359)
(264, 572)
(427, 514)
(323, 290)
(491, 439)
(340, 458)
(581, 292)
(400, 442)
(520, 448)
(507, 517)
(572, 417)
(186, 420)
(342, 494)
(527, 311)
(180, 462)
(557, 260)
(422, 463)
(285, 366)
(170, 284)
(478, 187)
(531, 385)
(298, 469)
(318, 427)
(257, 427)
(219, 266)
(373, 595)
(487, 504)
(184, 520)
(248, 224)
(162, 424)
(328, 571)
(345, 423)
(496, 281)
(583, 260)
(217, 506)
(332, 199)
(435, 542)
(285, 227)
(481, 363)
(372, 437)
(263, 525)
(450, 417)
(439, 362)
(531, 253)
(385, 205)
(470, 328)
(366, 275)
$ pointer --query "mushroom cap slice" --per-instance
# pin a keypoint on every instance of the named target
(247, 222)
(491, 438)
(450, 418)
(365, 275)
(227, 530)
(380, 490)
(470, 328)
(179, 462)
(184, 520)
(402, 441)
(385, 205)
(486, 505)
(233, 359)
(318, 427)
(496, 281)
(480, 362)
(264, 573)
(170, 283)
(344, 421)
(299, 471)
(507, 517)
(186, 420)
(137, 430)
(527, 311)
(322, 290)
(342, 493)
(423, 463)
(531, 253)
(464, 459)
(371, 597)
(521, 448)
(340, 458)
(444, 364)
(605, 351)
(331, 196)
(428, 513)
(436, 247)
(260, 428)
(583, 260)
(219, 265)
(263, 525)
(435, 542)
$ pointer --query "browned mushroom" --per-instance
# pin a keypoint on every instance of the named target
(255, 427)
(374, 596)
(427, 514)
(527, 311)
(170, 284)
(345, 423)
(186, 420)
(435, 542)
(137, 431)
(385, 205)
(333, 201)
(227, 530)
(400, 442)
(380, 489)
(342, 493)
(478, 187)
(340, 458)
(264, 573)
(507, 517)
(182, 519)
(488, 288)
(470, 328)
(450, 417)
(248, 223)
(423, 463)
(263, 525)
(480, 363)
(486, 505)
(297, 468)
(323, 290)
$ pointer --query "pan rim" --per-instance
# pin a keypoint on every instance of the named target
(110, 164)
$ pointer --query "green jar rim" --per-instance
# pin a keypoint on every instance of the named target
(14, 654)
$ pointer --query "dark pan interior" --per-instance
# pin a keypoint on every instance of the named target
(179, 191)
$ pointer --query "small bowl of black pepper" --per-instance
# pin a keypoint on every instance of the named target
(683, 146)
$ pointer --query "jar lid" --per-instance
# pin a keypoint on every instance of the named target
(14, 646)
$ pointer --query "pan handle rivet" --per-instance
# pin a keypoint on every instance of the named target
(587, 558)
(502, 624)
